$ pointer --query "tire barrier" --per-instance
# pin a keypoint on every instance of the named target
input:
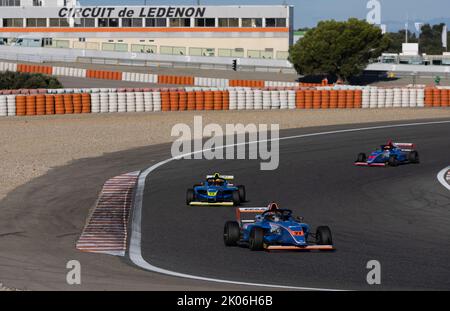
(139, 77)
(211, 82)
(47, 70)
(8, 66)
(45, 104)
(103, 75)
(247, 83)
(176, 80)
(76, 101)
(3, 106)
(69, 72)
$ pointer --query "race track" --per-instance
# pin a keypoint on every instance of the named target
(398, 216)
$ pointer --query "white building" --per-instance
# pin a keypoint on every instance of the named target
(228, 31)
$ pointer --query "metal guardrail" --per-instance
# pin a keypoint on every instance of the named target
(42, 55)
(180, 65)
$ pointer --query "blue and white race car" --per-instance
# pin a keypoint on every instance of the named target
(391, 154)
(216, 190)
(275, 229)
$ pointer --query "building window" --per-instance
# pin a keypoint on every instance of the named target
(12, 22)
(9, 2)
(59, 22)
(205, 22)
(131, 22)
(85, 22)
(108, 22)
(37, 3)
(155, 22)
(275, 22)
(180, 22)
(228, 22)
(252, 22)
(36, 22)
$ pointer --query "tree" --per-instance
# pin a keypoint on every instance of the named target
(430, 40)
(16, 80)
(339, 49)
(397, 39)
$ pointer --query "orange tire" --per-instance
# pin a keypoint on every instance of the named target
(174, 101)
(334, 98)
(342, 98)
(325, 102)
(21, 106)
(31, 105)
(226, 100)
(436, 98)
(77, 103)
(308, 99)
(68, 103)
(190, 101)
(350, 99)
(59, 104)
(218, 100)
(317, 100)
(429, 97)
(165, 101)
(300, 99)
(85, 103)
(40, 105)
(182, 100)
(199, 100)
(49, 104)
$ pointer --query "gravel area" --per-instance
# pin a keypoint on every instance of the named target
(33, 145)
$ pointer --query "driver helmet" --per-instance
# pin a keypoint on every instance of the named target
(389, 145)
(276, 218)
(273, 207)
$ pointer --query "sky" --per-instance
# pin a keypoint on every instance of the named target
(309, 12)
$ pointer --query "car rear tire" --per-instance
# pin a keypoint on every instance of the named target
(413, 157)
(236, 198)
(361, 157)
(190, 196)
(256, 240)
(323, 236)
(242, 194)
(231, 233)
(393, 161)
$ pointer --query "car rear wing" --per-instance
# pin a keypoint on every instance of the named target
(406, 147)
(226, 177)
(249, 212)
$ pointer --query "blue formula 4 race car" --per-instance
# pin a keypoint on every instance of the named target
(216, 190)
(274, 229)
(391, 154)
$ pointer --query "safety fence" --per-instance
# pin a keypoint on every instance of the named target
(74, 101)
(150, 78)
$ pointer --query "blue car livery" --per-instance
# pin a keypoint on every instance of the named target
(275, 229)
(216, 190)
(391, 154)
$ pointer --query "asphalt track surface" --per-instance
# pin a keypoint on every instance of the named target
(398, 216)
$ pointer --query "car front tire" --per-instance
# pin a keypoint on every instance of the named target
(236, 198)
(231, 233)
(242, 194)
(323, 236)
(190, 196)
(256, 240)
(361, 157)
